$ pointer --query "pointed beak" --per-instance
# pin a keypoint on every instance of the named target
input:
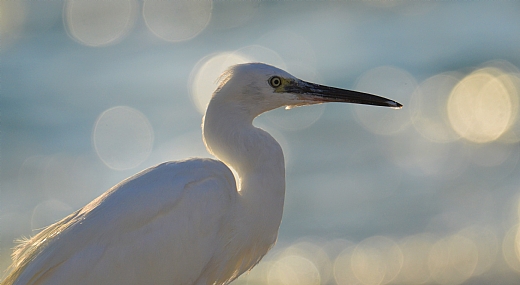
(321, 94)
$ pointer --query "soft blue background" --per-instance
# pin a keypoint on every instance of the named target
(343, 181)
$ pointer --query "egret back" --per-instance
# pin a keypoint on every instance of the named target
(162, 224)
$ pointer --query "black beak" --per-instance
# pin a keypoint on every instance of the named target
(320, 93)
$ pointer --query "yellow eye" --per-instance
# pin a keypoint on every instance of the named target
(275, 81)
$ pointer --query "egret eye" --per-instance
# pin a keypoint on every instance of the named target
(275, 81)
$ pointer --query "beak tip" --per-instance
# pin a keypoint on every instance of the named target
(395, 105)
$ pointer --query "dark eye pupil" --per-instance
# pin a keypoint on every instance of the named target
(275, 81)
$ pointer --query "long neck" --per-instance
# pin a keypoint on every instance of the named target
(255, 156)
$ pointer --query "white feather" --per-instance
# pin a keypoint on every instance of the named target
(184, 222)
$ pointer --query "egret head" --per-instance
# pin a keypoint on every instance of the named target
(259, 87)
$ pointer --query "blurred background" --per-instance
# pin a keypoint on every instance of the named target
(93, 91)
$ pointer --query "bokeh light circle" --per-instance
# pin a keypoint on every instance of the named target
(427, 108)
(204, 76)
(376, 260)
(453, 259)
(343, 266)
(48, 212)
(293, 269)
(415, 259)
(308, 249)
(122, 137)
(392, 83)
(480, 107)
(511, 248)
(512, 83)
(176, 21)
(13, 16)
(487, 245)
(258, 53)
(99, 22)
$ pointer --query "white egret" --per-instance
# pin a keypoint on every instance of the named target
(186, 222)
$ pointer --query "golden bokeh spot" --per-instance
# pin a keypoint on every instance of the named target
(204, 76)
(510, 246)
(12, 19)
(453, 260)
(122, 137)
(481, 107)
(315, 254)
(376, 260)
(293, 270)
(487, 245)
(343, 267)
(415, 268)
(428, 108)
(98, 23)
(177, 21)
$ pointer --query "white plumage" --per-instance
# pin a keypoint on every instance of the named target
(186, 222)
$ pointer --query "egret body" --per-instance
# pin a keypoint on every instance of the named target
(186, 222)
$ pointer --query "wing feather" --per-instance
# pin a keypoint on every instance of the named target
(163, 222)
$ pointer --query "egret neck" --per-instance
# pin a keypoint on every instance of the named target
(256, 157)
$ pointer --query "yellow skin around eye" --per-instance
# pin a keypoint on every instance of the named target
(285, 82)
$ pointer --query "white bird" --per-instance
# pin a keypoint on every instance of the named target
(186, 222)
